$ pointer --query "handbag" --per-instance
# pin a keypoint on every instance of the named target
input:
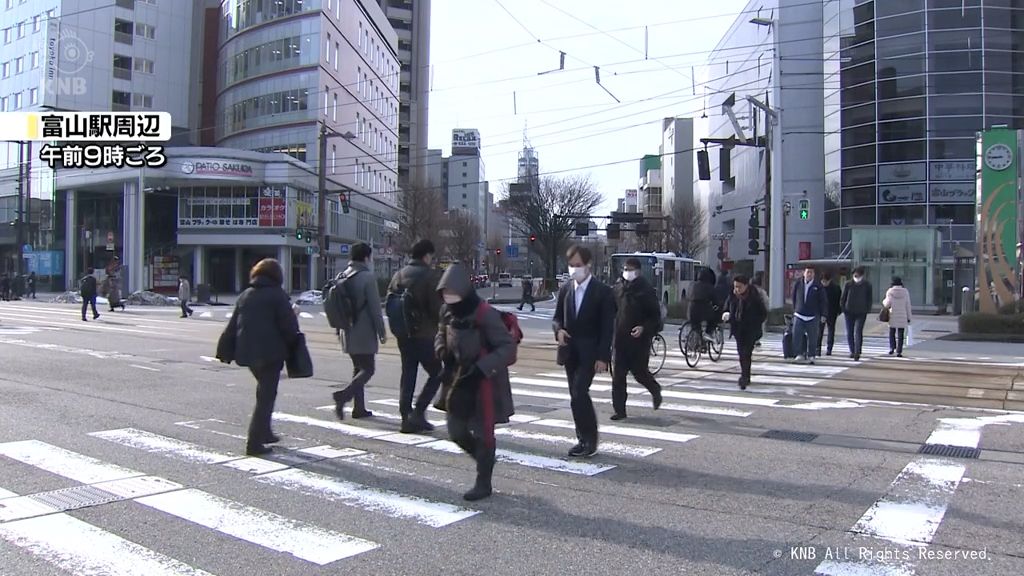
(883, 315)
(299, 363)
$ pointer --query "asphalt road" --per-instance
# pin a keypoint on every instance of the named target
(122, 445)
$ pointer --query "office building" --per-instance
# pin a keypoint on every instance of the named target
(908, 86)
(411, 22)
(467, 186)
(676, 162)
(744, 71)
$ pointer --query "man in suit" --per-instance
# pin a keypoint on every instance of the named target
(833, 294)
(809, 311)
(584, 325)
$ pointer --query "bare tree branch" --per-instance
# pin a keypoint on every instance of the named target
(421, 215)
(685, 232)
(463, 236)
(550, 214)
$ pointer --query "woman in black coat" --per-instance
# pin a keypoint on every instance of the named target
(260, 336)
(745, 313)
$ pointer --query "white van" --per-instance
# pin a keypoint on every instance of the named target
(504, 279)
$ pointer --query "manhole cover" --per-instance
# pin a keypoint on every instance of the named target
(789, 435)
(75, 498)
(949, 451)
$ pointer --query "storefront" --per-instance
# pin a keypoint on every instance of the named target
(910, 252)
(209, 214)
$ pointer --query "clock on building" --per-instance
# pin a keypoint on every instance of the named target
(998, 157)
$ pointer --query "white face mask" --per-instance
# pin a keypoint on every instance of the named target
(578, 274)
(629, 275)
(452, 298)
(858, 279)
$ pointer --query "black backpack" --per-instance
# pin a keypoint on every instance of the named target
(339, 305)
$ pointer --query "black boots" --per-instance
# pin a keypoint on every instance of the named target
(342, 397)
(416, 422)
(484, 469)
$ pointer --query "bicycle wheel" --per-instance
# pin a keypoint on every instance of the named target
(659, 349)
(692, 348)
(716, 346)
(683, 331)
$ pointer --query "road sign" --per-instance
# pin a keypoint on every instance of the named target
(110, 241)
(389, 251)
(27, 248)
(343, 249)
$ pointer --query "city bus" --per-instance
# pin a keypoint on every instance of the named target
(671, 275)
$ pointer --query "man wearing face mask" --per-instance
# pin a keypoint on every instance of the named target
(584, 325)
(856, 305)
(637, 321)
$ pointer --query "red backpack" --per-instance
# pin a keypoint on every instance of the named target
(511, 323)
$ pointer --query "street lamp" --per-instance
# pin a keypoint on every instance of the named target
(323, 220)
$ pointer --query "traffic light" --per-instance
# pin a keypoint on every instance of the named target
(582, 228)
(754, 231)
(497, 251)
(613, 231)
(533, 238)
(805, 209)
(343, 199)
(299, 232)
(309, 238)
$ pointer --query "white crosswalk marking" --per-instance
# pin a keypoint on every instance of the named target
(161, 444)
(266, 529)
(530, 460)
(78, 547)
(64, 462)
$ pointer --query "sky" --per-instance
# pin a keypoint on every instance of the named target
(485, 58)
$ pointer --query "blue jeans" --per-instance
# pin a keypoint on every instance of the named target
(805, 336)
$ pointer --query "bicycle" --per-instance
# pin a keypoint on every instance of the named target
(693, 344)
(659, 350)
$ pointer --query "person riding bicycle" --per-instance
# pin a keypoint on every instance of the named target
(703, 309)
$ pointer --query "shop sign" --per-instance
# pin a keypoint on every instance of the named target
(204, 167)
(960, 192)
(902, 172)
(272, 208)
(901, 193)
(218, 222)
(959, 170)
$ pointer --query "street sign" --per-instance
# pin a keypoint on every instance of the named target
(389, 251)
(110, 241)
(27, 248)
(343, 249)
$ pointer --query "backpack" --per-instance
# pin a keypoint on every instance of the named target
(511, 324)
(339, 305)
(403, 317)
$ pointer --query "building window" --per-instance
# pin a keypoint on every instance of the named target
(123, 31)
(3, 104)
(337, 46)
(7, 35)
(360, 35)
(355, 173)
(19, 64)
(334, 158)
(359, 80)
(142, 101)
(35, 23)
(334, 110)
(143, 65)
(17, 100)
(145, 31)
(33, 96)
(6, 67)
(120, 99)
(359, 125)
(122, 67)
(326, 90)
(337, 11)
(10, 4)
(35, 60)
(327, 49)
(21, 29)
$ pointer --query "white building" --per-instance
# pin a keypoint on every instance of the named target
(746, 63)
(467, 186)
(677, 161)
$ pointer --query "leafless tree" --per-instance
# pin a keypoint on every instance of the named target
(686, 229)
(496, 241)
(551, 214)
(463, 236)
(421, 215)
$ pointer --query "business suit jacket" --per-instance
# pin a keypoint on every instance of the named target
(591, 330)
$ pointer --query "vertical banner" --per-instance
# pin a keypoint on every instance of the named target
(997, 218)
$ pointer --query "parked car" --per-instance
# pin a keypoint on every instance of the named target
(504, 280)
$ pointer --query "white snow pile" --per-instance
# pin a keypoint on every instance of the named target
(146, 298)
(70, 297)
(310, 297)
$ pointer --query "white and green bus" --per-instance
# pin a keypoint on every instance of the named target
(671, 275)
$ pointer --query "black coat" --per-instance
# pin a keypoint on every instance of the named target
(636, 304)
(590, 331)
(833, 295)
(422, 280)
(263, 324)
(856, 299)
(747, 316)
(87, 286)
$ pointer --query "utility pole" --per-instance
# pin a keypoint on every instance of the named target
(19, 222)
(323, 218)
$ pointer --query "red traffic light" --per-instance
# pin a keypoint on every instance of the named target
(533, 237)
(498, 251)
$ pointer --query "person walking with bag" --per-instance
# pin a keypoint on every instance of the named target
(638, 319)
(896, 310)
(746, 313)
(856, 305)
(365, 330)
(475, 341)
(262, 335)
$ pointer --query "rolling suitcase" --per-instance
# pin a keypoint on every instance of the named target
(787, 341)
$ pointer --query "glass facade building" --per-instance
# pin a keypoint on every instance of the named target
(907, 85)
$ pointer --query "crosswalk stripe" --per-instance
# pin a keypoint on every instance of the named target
(609, 447)
(683, 395)
(64, 463)
(620, 431)
(423, 511)
(346, 429)
(267, 529)
(163, 445)
(530, 460)
(78, 547)
(380, 414)
(635, 403)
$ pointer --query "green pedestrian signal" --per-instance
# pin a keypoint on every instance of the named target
(805, 209)
(298, 233)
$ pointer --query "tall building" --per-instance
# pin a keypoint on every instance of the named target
(86, 55)
(528, 169)
(286, 67)
(772, 54)
(411, 21)
(676, 162)
(467, 186)
(908, 86)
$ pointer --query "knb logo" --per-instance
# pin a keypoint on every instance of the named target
(66, 56)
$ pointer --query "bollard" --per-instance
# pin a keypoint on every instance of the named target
(965, 301)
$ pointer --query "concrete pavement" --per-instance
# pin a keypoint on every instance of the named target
(124, 442)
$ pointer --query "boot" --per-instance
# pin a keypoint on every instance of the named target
(340, 398)
(484, 468)
(416, 422)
